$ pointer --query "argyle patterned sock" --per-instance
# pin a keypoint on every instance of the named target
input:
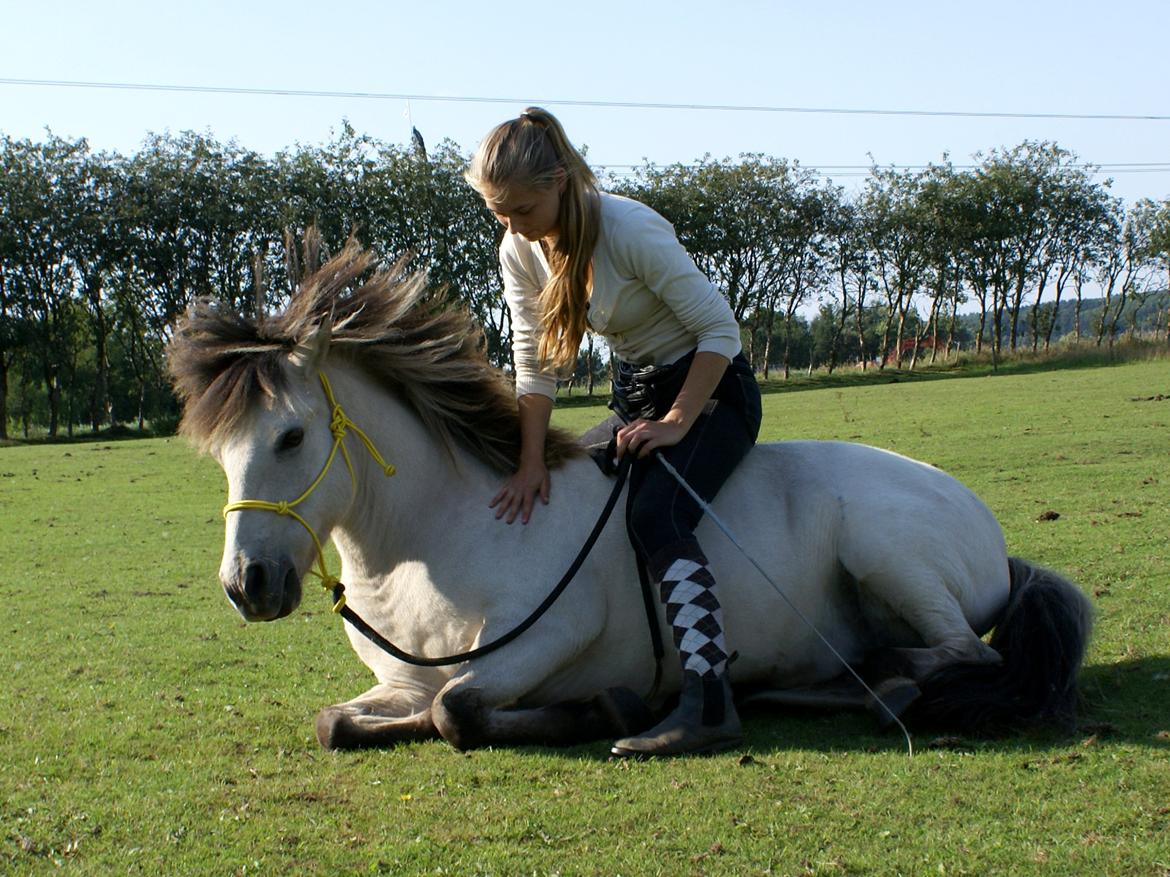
(695, 616)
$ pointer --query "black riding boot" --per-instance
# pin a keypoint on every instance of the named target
(705, 719)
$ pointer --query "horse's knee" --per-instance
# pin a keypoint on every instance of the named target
(460, 717)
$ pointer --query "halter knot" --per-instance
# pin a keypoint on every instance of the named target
(338, 423)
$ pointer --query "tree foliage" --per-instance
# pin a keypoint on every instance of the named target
(101, 252)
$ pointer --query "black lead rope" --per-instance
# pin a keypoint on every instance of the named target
(381, 642)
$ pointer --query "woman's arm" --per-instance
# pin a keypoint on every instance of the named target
(531, 479)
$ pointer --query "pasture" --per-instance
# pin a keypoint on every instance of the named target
(144, 728)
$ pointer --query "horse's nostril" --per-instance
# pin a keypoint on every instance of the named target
(255, 582)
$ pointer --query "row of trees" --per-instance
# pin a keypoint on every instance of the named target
(101, 252)
(1024, 227)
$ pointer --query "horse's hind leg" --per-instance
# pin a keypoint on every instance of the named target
(383, 716)
(844, 692)
(887, 698)
(920, 663)
(935, 618)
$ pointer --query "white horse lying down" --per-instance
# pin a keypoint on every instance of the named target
(888, 557)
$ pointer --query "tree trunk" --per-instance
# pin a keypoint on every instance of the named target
(1034, 316)
(860, 322)
(3, 398)
(885, 352)
(952, 324)
(101, 409)
(1077, 312)
(590, 364)
(1014, 307)
(53, 391)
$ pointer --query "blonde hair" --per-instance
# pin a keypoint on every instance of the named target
(533, 151)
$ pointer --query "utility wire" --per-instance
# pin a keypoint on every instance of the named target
(741, 108)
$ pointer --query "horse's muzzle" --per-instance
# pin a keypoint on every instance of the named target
(264, 590)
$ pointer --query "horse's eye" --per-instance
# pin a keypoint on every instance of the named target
(291, 439)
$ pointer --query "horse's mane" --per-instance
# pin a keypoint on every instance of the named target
(389, 324)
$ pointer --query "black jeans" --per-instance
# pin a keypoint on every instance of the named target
(660, 514)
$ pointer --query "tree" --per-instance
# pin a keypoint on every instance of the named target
(754, 226)
(1082, 211)
(898, 238)
(844, 300)
(1152, 226)
(41, 194)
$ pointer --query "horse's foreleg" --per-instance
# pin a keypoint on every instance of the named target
(383, 716)
(465, 718)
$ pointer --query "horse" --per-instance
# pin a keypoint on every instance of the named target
(894, 562)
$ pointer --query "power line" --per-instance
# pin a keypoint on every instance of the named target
(634, 105)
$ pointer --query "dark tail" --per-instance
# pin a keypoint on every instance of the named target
(1042, 636)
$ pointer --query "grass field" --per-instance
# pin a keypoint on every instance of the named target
(145, 729)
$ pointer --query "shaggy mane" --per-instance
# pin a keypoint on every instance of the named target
(386, 323)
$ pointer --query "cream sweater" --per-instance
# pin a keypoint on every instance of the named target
(650, 302)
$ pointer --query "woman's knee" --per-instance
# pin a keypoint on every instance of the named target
(656, 522)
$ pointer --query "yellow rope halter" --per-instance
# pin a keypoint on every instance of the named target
(339, 425)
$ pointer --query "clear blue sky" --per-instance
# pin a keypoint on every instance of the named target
(992, 56)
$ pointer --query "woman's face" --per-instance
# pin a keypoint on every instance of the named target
(529, 212)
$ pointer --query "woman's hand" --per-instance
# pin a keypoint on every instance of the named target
(518, 495)
(641, 437)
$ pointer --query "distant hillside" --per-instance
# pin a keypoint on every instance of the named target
(1150, 317)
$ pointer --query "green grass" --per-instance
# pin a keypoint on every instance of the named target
(145, 729)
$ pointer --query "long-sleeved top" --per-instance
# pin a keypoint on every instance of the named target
(649, 301)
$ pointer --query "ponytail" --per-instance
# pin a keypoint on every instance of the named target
(533, 151)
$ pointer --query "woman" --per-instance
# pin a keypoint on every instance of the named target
(575, 258)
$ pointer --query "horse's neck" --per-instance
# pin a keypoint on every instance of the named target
(433, 498)
(426, 536)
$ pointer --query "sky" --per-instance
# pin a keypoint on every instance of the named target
(1073, 57)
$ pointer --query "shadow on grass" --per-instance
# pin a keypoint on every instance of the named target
(1130, 698)
(1123, 702)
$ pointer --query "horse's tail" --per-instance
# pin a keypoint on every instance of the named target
(1042, 636)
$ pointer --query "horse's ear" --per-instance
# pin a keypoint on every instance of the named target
(310, 352)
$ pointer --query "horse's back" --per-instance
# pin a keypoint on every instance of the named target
(884, 523)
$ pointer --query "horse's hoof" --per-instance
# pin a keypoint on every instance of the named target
(335, 730)
(894, 696)
(460, 717)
